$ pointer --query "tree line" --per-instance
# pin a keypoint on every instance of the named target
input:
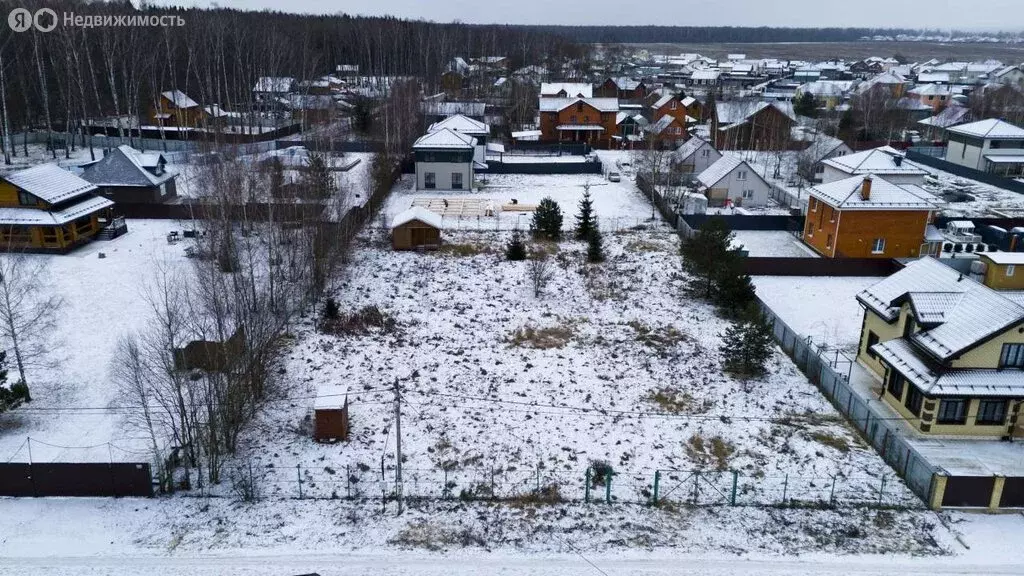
(62, 78)
(708, 34)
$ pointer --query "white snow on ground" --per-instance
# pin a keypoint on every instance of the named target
(104, 298)
(824, 308)
(618, 205)
(38, 154)
(767, 243)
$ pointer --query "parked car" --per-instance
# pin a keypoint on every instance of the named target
(614, 176)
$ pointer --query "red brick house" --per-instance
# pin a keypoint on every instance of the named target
(621, 88)
(590, 120)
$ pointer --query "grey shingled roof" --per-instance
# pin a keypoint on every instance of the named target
(881, 160)
(50, 183)
(690, 147)
(845, 194)
(444, 139)
(933, 381)
(125, 166)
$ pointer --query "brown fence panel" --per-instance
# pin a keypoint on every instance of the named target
(15, 480)
(1013, 493)
(968, 491)
(76, 479)
(778, 266)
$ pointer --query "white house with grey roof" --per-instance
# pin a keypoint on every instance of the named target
(466, 125)
(988, 145)
(694, 157)
(444, 160)
(731, 181)
(886, 161)
(947, 351)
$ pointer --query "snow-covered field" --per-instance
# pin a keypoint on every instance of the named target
(824, 308)
(103, 299)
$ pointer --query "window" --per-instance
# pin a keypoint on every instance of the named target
(704, 153)
(821, 220)
(676, 130)
(813, 203)
(914, 400)
(586, 119)
(995, 144)
(741, 175)
(572, 119)
(952, 411)
(1012, 356)
(991, 412)
(456, 180)
(878, 246)
(673, 106)
(1010, 269)
(872, 340)
(909, 326)
(579, 106)
(429, 180)
(896, 383)
(828, 241)
(748, 194)
(832, 215)
(26, 199)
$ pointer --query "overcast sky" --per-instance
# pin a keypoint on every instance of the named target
(961, 14)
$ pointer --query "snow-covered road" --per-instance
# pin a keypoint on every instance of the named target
(399, 563)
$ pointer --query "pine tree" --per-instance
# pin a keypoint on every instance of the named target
(806, 105)
(515, 250)
(276, 177)
(734, 292)
(585, 220)
(318, 178)
(704, 254)
(547, 220)
(595, 247)
(747, 345)
(13, 395)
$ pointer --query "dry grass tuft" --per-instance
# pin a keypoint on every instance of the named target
(715, 453)
(542, 338)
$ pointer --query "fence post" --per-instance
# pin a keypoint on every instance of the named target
(348, 482)
(538, 477)
(298, 473)
(493, 494)
(586, 486)
(732, 498)
(444, 489)
(832, 494)
(881, 490)
(608, 486)
(657, 484)
(785, 487)
(696, 487)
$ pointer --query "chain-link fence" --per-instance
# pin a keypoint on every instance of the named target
(831, 376)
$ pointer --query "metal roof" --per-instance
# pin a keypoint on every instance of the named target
(37, 217)
(590, 127)
(126, 166)
(722, 167)
(50, 182)
(690, 147)
(572, 89)
(884, 160)
(460, 123)
(991, 129)
(444, 139)
(420, 214)
(845, 194)
(933, 381)
(559, 104)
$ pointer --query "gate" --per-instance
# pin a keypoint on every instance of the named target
(695, 487)
(968, 491)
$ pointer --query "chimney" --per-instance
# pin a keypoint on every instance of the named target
(898, 160)
(865, 189)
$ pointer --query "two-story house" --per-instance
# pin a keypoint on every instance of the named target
(988, 145)
(444, 160)
(869, 217)
(886, 161)
(751, 125)
(730, 181)
(466, 125)
(48, 209)
(175, 108)
(948, 351)
(589, 120)
(128, 176)
(694, 157)
(621, 88)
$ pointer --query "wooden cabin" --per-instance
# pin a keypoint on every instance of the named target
(48, 209)
(416, 228)
(330, 415)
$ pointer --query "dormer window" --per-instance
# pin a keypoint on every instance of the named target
(26, 199)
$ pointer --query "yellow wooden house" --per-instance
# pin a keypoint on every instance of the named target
(948, 351)
(48, 209)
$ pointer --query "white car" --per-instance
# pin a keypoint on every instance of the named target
(614, 177)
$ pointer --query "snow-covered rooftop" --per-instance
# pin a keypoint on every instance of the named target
(933, 381)
(420, 214)
(444, 138)
(990, 129)
(50, 183)
(884, 160)
(179, 99)
(572, 89)
(36, 217)
(846, 194)
(1015, 258)
(559, 104)
(722, 167)
(460, 123)
(689, 148)
(126, 166)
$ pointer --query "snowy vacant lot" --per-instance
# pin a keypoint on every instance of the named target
(761, 243)
(824, 308)
(506, 392)
(103, 300)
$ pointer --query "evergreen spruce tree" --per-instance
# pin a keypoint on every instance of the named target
(547, 220)
(704, 254)
(734, 292)
(585, 220)
(515, 250)
(747, 345)
(276, 177)
(595, 246)
(806, 105)
(318, 178)
(13, 394)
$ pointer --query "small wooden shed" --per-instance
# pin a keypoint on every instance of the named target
(415, 228)
(330, 414)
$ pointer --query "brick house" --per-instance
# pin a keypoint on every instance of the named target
(621, 88)
(869, 217)
(590, 120)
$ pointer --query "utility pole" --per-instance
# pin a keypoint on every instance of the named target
(398, 444)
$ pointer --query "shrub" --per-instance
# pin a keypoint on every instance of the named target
(947, 247)
(515, 250)
(331, 310)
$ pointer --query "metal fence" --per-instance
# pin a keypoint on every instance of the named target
(873, 425)
(965, 172)
(707, 488)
